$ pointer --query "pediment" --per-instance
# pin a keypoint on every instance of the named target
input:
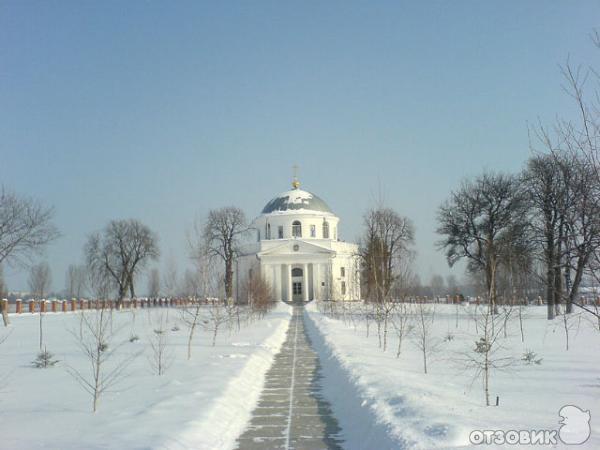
(296, 247)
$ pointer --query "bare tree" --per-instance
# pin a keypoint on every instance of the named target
(25, 228)
(98, 345)
(452, 284)
(385, 245)
(217, 317)
(191, 316)
(582, 227)
(3, 295)
(480, 222)
(161, 357)
(75, 281)
(259, 294)
(219, 237)
(40, 278)
(401, 321)
(120, 251)
(154, 283)
(199, 283)
(564, 195)
(171, 279)
(423, 332)
(437, 285)
(486, 356)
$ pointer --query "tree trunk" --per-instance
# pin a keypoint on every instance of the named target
(131, 287)
(41, 328)
(558, 287)
(229, 277)
(486, 380)
(4, 309)
(573, 289)
(550, 283)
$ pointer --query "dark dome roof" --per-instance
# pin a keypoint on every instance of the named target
(296, 200)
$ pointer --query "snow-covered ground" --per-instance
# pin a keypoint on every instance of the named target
(379, 400)
(203, 403)
(377, 397)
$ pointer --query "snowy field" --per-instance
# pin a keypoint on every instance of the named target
(378, 397)
(203, 403)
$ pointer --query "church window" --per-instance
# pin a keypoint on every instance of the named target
(342, 272)
(325, 230)
(296, 272)
(313, 231)
(268, 231)
(296, 229)
(280, 232)
(343, 288)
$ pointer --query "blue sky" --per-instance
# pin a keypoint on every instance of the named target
(163, 110)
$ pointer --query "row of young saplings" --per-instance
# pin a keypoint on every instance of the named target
(99, 337)
(415, 322)
(457, 299)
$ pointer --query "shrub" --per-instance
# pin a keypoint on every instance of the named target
(44, 360)
(530, 357)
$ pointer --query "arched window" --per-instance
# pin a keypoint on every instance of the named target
(268, 231)
(296, 228)
(325, 230)
(296, 272)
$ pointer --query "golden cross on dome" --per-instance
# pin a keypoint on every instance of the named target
(295, 182)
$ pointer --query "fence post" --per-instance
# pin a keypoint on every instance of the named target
(64, 306)
(53, 306)
(42, 306)
(19, 306)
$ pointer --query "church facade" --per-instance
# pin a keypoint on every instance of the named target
(297, 251)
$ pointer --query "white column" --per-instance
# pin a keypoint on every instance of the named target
(274, 280)
(305, 281)
(316, 282)
(289, 280)
(311, 281)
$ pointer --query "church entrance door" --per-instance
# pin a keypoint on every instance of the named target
(297, 290)
(297, 287)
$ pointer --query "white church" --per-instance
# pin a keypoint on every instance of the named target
(297, 250)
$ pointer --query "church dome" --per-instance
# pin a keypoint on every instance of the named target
(296, 201)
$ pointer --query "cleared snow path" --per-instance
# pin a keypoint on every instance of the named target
(292, 413)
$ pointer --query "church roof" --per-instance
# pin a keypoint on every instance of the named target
(296, 200)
